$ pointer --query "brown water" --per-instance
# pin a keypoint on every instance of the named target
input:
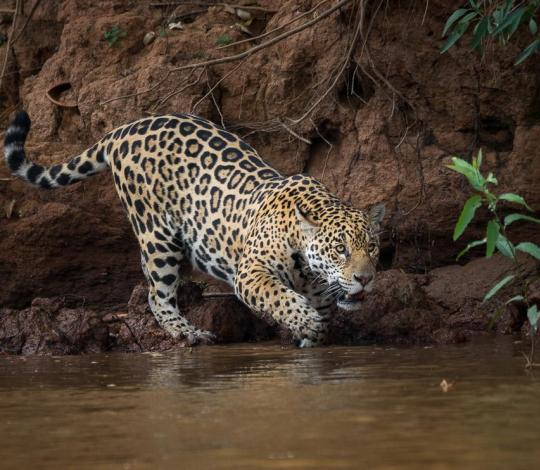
(261, 406)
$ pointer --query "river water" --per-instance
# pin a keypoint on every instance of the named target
(267, 407)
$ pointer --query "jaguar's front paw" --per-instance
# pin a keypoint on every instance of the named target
(306, 343)
(200, 337)
(188, 334)
(313, 331)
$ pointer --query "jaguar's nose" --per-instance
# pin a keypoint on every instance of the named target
(363, 278)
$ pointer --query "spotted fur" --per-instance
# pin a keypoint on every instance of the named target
(193, 190)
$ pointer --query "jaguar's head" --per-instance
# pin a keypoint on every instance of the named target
(342, 249)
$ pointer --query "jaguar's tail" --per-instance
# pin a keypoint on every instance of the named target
(88, 163)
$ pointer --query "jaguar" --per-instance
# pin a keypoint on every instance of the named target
(194, 191)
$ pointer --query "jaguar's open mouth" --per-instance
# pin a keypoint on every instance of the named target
(350, 301)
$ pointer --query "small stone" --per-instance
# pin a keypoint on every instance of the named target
(149, 37)
(243, 14)
(177, 25)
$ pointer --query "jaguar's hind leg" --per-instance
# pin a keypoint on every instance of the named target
(160, 262)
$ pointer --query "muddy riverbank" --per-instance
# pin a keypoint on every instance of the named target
(442, 307)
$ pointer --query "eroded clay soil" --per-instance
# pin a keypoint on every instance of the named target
(68, 261)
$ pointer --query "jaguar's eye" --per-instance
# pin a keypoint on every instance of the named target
(372, 246)
(341, 248)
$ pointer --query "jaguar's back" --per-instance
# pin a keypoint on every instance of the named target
(183, 174)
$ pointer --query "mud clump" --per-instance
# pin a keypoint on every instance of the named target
(63, 326)
(68, 260)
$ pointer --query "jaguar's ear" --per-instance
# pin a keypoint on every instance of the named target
(307, 225)
(376, 214)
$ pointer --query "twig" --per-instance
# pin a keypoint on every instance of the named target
(207, 4)
(180, 90)
(216, 105)
(268, 33)
(425, 12)
(294, 134)
(356, 36)
(266, 44)
(194, 107)
(217, 295)
(32, 11)
(10, 39)
(327, 143)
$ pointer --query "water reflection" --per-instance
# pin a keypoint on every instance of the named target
(268, 407)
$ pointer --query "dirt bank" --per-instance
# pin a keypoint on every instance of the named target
(68, 261)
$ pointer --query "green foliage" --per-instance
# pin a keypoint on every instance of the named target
(532, 315)
(114, 35)
(496, 238)
(223, 40)
(497, 287)
(467, 215)
(497, 19)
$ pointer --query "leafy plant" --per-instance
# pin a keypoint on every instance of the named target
(223, 40)
(114, 35)
(496, 238)
(498, 19)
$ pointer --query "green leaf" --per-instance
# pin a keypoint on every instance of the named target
(516, 298)
(497, 287)
(533, 314)
(467, 19)
(530, 49)
(530, 248)
(459, 31)
(492, 233)
(515, 198)
(475, 178)
(474, 5)
(452, 39)
(467, 214)
(511, 218)
(516, 20)
(480, 32)
(533, 27)
(477, 162)
(452, 19)
(491, 179)
(497, 16)
(505, 246)
(511, 22)
(491, 25)
(491, 200)
(469, 246)
(461, 166)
